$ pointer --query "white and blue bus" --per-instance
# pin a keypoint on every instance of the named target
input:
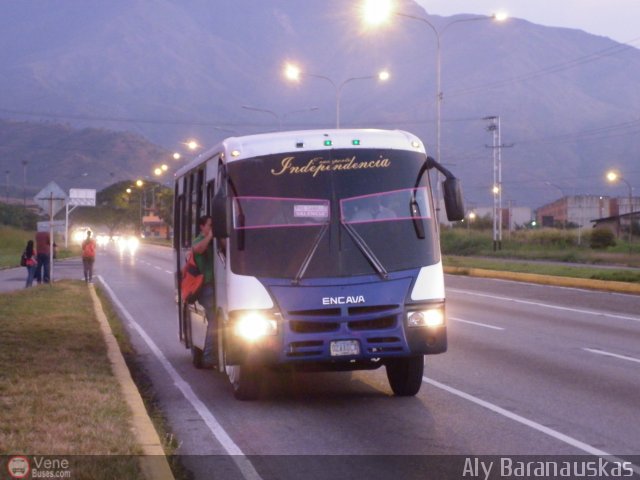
(326, 254)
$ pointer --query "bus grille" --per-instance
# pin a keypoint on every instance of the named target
(313, 327)
(305, 349)
(373, 324)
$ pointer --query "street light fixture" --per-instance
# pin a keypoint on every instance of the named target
(294, 73)
(377, 12)
(613, 177)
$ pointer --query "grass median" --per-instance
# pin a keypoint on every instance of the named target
(58, 395)
(592, 272)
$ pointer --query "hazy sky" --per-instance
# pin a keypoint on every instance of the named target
(617, 19)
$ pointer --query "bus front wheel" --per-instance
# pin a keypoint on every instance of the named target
(405, 375)
(245, 380)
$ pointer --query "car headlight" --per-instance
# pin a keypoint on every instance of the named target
(426, 317)
(254, 325)
(133, 243)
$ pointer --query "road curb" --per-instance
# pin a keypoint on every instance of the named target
(153, 462)
(602, 285)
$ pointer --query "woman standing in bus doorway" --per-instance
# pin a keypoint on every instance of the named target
(31, 262)
(203, 252)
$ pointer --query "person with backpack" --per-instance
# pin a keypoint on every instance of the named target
(88, 257)
(30, 261)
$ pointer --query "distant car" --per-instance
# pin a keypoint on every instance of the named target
(79, 234)
(102, 240)
(128, 244)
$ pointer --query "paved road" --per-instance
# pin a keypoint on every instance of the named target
(531, 370)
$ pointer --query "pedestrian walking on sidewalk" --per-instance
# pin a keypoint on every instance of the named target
(30, 262)
(88, 257)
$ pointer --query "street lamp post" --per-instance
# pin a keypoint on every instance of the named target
(294, 73)
(24, 182)
(378, 11)
(279, 118)
(614, 177)
(264, 110)
(6, 183)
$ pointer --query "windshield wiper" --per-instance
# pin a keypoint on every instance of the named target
(310, 254)
(366, 251)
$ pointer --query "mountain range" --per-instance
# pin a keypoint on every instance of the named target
(169, 70)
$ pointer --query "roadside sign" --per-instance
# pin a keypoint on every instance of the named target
(51, 198)
(57, 226)
(82, 197)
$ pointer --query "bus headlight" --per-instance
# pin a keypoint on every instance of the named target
(428, 317)
(254, 325)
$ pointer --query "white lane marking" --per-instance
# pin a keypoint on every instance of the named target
(547, 305)
(577, 289)
(614, 355)
(520, 419)
(157, 267)
(169, 272)
(244, 465)
(585, 447)
(485, 325)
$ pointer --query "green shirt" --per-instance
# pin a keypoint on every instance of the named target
(205, 260)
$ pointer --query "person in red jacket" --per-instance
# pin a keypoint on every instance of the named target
(88, 257)
(43, 247)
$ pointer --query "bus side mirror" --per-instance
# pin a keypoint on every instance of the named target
(221, 215)
(453, 202)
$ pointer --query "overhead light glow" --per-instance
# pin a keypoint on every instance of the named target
(376, 12)
(500, 16)
(292, 72)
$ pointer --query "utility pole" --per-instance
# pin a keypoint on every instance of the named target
(496, 188)
(6, 184)
(24, 182)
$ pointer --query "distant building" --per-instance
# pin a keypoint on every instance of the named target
(512, 217)
(577, 210)
(154, 226)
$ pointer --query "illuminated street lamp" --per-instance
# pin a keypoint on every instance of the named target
(294, 73)
(377, 12)
(613, 177)
(471, 217)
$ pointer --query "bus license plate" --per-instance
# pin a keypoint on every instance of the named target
(340, 348)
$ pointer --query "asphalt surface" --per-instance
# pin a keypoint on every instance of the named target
(531, 370)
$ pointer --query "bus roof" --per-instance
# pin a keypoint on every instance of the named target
(238, 148)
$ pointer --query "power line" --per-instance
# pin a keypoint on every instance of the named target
(555, 68)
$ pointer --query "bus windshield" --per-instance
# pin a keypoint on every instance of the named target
(331, 213)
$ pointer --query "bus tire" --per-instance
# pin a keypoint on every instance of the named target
(405, 375)
(245, 380)
(196, 356)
